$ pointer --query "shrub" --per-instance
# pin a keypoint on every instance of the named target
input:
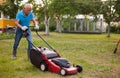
(42, 27)
(118, 29)
(115, 29)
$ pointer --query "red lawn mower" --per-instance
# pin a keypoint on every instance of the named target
(49, 60)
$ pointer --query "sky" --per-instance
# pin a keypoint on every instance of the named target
(103, 0)
(37, 1)
(40, 2)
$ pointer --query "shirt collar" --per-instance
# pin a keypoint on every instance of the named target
(23, 13)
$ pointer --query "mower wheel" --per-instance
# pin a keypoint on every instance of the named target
(79, 68)
(43, 66)
(63, 72)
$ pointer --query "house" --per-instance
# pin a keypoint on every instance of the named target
(4, 20)
(2, 1)
(86, 24)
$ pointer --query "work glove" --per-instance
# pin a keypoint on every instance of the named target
(24, 28)
(36, 27)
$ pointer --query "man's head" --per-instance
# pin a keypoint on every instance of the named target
(27, 8)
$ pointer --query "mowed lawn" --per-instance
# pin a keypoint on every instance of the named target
(94, 52)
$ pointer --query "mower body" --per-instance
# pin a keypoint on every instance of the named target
(50, 60)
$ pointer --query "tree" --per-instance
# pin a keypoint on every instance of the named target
(42, 11)
(117, 7)
(36, 9)
(60, 8)
(46, 15)
(10, 8)
(108, 12)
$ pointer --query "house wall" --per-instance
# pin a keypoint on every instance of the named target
(2, 1)
(6, 22)
(1, 24)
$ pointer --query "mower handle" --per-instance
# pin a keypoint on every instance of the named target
(44, 40)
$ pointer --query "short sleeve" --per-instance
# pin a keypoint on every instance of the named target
(32, 16)
(18, 16)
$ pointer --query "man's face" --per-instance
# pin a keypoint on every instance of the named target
(27, 10)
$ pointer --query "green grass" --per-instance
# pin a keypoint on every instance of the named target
(94, 52)
(6, 36)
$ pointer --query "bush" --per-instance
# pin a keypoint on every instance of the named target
(52, 28)
(115, 29)
(118, 29)
(42, 27)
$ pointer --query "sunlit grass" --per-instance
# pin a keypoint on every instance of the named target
(94, 52)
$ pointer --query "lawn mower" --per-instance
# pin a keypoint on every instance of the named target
(49, 60)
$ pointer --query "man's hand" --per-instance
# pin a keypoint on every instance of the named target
(36, 27)
(24, 28)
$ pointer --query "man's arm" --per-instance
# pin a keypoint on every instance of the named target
(17, 24)
(34, 21)
(35, 24)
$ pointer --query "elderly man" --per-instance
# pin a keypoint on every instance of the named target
(22, 22)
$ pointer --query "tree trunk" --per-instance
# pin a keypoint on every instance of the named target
(47, 25)
(101, 25)
(2, 15)
(58, 27)
(46, 18)
(108, 30)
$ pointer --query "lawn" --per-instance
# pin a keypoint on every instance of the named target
(94, 52)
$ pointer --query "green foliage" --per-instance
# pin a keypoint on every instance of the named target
(42, 27)
(107, 11)
(63, 7)
(35, 7)
(10, 7)
(115, 29)
(52, 26)
(67, 22)
(117, 7)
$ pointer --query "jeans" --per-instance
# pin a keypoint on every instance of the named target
(18, 36)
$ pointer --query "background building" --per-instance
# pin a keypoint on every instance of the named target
(4, 20)
(2, 1)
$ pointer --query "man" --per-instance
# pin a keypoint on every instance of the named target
(22, 22)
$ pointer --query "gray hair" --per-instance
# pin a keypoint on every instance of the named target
(27, 5)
